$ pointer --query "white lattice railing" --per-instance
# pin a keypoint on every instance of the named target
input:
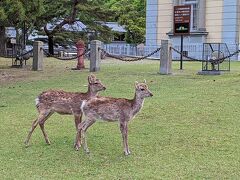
(193, 50)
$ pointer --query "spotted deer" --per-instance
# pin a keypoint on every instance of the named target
(112, 109)
(65, 103)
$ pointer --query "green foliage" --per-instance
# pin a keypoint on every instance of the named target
(21, 14)
(14, 13)
(189, 129)
(3, 15)
(93, 14)
(36, 14)
(132, 16)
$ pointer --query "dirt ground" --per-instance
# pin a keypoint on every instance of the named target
(52, 67)
(10, 74)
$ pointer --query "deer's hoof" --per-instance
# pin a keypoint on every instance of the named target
(26, 144)
(127, 153)
(48, 143)
(77, 147)
(87, 151)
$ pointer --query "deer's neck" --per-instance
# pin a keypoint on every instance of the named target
(91, 93)
(137, 104)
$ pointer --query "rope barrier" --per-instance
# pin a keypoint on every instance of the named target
(121, 58)
(213, 61)
(129, 60)
(71, 58)
(193, 59)
(24, 54)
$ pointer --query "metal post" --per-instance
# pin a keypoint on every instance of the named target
(181, 57)
(238, 53)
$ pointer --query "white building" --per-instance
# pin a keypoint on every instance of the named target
(212, 21)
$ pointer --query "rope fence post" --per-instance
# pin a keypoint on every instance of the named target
(37, 64)
(165, 57)
(95, 55)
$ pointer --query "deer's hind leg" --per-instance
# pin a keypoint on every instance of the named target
(41, 124)
(42, 117)
(34, 125)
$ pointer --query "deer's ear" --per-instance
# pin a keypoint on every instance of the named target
(91, 78)
(136, 83)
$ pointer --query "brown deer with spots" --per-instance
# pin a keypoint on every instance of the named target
(113, 109)
(65, 103)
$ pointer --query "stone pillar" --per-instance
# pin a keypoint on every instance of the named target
(165, 57)
(202, 15)
(37, 56)
(95, 55)
(80, 50)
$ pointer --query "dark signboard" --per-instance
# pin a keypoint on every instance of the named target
(182, 19)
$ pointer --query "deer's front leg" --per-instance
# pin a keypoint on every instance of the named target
(124, 131)
(84, 126)
(78, 120)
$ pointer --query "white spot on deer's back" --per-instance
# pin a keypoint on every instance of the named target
(37, 101)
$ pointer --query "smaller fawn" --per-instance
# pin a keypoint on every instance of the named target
(113, 109)
(65, 103)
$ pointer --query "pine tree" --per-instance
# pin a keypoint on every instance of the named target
(18, 14)
(62, 12)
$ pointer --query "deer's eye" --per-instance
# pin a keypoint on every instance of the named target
(95, 83)
(142, 89)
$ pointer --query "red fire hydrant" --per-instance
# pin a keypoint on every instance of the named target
(80, 51)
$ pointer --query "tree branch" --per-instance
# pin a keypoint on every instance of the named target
(68, 20)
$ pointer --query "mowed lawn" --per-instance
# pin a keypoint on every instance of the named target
(189, 129)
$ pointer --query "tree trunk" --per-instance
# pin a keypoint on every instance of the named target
(3, 41)
(50, 45)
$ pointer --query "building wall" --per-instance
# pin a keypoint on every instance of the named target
(230, 22)
(214, 23)
(238, 5)
(151, 22)
(219, 22)
(165, 18)
(238, 21)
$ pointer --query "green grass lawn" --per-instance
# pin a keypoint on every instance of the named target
(189, 129)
